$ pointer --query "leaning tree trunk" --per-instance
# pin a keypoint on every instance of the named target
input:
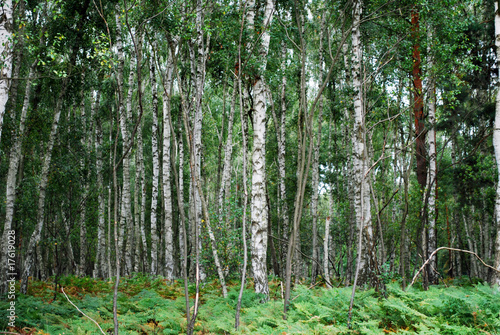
(6, 28)
(15, 158)
(44, 179)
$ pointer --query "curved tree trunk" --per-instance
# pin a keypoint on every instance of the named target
(15, 158)
(44, 178)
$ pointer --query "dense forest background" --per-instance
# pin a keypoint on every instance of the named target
(333, 141)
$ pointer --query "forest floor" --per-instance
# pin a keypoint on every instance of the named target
(150, 305)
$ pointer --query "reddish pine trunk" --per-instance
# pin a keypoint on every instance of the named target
(418, 105)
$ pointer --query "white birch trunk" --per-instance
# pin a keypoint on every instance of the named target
(167, 192)
(44, 178)
(326, 270)
(100, 261)
(259, 210)
(121, 113)
(360, 152)
(87, 144)
(182, 229)
(6, 28)
(139, 203)
(281, 156)
(10, 199)
(126, 222)
(156, 173)
(496, 145)
(315, 167)
(228, 152)
(431, 180)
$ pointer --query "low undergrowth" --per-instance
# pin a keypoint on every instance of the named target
(150, 305)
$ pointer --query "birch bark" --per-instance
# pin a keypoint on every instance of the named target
(360, 159)
(126, 221)
(315, 167)
(15, 158)
(431, 180)
(6, 28)
(44, 178)
(496, 145)
(156, 170)
(259, 210)
(167, 191)
(100, 261)
(228, 152)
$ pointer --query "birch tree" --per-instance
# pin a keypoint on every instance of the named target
(14, 160)
(432, 178)
(259, 210)
(156, 169)
(40, 214)
(167, 192)
(360, 154)
(6, 29)
(496, 144)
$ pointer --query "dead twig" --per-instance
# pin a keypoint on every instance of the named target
(79, 310)
(451, 249)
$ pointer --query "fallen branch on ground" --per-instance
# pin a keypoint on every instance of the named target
(88, 317)
(451, 249)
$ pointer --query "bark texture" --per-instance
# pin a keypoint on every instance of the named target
(44, 179)
(496, 145)
(360, 154)
(15, 158)
(6, 28)
(259, 210)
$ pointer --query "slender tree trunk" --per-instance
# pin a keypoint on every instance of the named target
(167, 191)
(315, 167)
(496, 145)
(44, 178)
(471, 245)
(326, 269)
(432, 179)
(15, 158)
(156, 171)
(126, 221)
(360, 156)
(100, 261)
(180, 192)
(139, 203)
(86, 143)
(228, 151)
(121, 115)
(6, 29)
(245, 198)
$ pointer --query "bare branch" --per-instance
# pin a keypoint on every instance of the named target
(79, 310)
(451, 249)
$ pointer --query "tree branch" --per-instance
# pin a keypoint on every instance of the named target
(88, 317)
(451, 249)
